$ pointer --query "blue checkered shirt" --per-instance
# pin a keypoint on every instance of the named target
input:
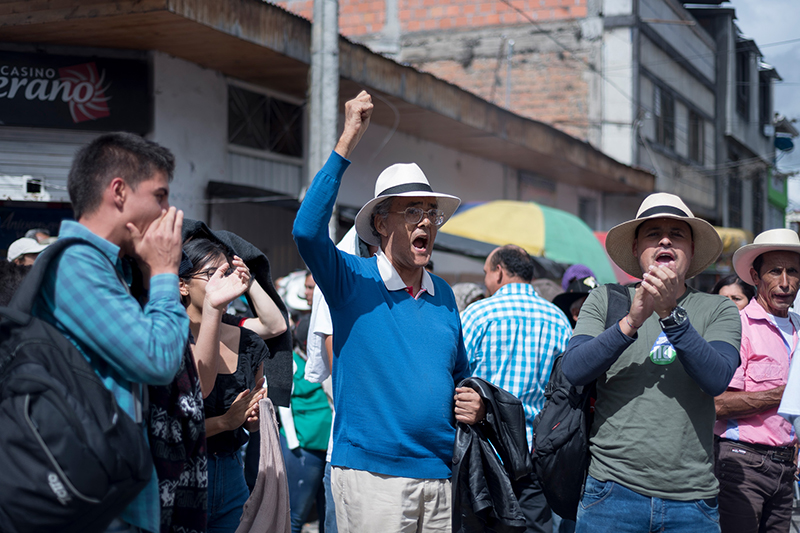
(84, 297)
(512, 339)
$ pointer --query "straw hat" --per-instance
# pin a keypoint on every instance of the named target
(773, 240)
(405, 180)
(619, 241)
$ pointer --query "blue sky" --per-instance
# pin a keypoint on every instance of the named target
(770, 22)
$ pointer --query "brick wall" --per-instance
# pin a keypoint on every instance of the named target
(549, 77)
(365, 17)
(465, 43)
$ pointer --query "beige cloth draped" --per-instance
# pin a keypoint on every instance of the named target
(267, 509)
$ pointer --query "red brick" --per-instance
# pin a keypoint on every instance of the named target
(413, 25)
(578, 12)
(492, 19)
(429, 24)
(461, 21)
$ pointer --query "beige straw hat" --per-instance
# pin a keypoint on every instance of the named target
(401, 179)
(774, 240)
(619, 241)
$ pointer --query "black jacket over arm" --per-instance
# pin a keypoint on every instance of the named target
(483, 484)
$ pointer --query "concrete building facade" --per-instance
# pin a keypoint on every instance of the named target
(224, 86)
(651, 83)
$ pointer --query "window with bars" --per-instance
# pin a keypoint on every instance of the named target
(664, 107)
(758, 205)
(764, 100)
(743, 83)
(696, 137)
(262, 122)
(735, 201)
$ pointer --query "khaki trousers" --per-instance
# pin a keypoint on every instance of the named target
(374, 503)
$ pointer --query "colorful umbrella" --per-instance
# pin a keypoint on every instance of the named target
(542, 231)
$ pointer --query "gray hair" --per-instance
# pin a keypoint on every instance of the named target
(380, 210)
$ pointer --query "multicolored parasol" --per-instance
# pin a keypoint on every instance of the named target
(542, 231)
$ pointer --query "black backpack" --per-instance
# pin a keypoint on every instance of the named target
(70, 459)
(561, 429)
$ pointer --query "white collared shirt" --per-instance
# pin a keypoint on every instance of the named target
(393, 281)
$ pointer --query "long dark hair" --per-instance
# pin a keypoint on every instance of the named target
(733, 279)
(200, 251)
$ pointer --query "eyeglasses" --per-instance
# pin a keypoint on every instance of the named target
(208, 273)
(413, 215)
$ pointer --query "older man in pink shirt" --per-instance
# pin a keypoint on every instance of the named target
(755, 461)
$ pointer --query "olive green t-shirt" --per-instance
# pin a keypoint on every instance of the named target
(653, 427)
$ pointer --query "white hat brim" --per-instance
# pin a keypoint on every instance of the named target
(707, 244)
(743, 257)
(446, 203)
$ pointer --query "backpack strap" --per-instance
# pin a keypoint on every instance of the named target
(619, 303)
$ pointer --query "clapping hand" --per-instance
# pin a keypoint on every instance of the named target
(224, 287)
(244, 410)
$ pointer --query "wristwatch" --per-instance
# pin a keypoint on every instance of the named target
(677, 317)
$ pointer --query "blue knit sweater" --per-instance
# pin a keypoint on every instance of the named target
(396, 359)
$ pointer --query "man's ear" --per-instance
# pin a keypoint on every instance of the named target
(380, 225)
(754, 275)
(635, 248)
(119, 191)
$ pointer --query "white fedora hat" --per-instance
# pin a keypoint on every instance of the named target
(774, 240)
(619, 241)
(401, 179)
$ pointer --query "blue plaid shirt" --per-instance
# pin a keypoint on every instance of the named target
(512, 339)
(83, 297)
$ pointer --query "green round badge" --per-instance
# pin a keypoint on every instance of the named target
(663, 354)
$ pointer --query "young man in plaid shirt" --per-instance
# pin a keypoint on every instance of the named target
(119, 189)
(512, 339)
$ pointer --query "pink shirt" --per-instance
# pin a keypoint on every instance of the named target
(765, 360)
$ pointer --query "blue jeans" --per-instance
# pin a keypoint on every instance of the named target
(227, 492)
(608, 507)
(330, 506)
(304, 471)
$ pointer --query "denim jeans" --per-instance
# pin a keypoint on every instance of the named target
(304, 471)
(227, 492)
(330, 506)
(608, 507)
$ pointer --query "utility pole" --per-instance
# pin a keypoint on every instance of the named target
(323, 91)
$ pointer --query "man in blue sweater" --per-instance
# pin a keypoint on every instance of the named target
(397, 344)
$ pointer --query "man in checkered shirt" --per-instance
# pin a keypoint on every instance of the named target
(512, 339)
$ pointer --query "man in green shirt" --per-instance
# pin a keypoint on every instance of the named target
(657, 370)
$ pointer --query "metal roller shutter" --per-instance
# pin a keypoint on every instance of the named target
(41, 153)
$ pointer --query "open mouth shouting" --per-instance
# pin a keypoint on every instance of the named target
(420, 241)
(664, 257)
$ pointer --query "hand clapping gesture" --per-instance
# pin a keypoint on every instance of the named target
(225, 286)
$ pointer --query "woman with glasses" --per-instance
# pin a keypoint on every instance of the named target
(229, 363)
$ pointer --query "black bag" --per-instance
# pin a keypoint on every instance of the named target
(561, 429)
(70, 459)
